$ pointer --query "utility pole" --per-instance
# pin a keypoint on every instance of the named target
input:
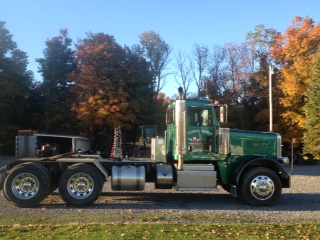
(270, 98)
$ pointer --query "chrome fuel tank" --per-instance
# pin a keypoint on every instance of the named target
(164, 177)
(128, 178)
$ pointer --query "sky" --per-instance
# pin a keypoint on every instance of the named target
(180, 23)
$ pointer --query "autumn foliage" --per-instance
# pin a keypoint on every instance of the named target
(294, 52)
(99, 85)
(101, 95)
(105, 84)
(312, 110)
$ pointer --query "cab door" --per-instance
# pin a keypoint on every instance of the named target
(201, 133)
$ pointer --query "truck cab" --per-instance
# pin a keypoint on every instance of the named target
(246, 163)
(200, 130)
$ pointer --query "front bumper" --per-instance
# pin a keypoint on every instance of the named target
(283, 160)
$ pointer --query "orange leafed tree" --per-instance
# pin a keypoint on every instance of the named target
(294, 52)
(99, 83)
(113, 85)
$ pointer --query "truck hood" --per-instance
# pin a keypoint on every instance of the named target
(254, 143)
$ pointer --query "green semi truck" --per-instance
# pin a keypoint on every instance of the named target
(196, 154)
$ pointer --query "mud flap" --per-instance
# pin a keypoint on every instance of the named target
(233, 190)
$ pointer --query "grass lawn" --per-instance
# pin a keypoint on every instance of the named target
(71, 229)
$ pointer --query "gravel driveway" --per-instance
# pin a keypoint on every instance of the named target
(299, 204)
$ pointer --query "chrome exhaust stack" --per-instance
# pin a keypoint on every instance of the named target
(180, 116)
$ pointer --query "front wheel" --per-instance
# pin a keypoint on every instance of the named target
(261, 186)
(80, 185)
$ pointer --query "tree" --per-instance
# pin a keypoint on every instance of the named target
(36, 103)
(56, 66)
(198, 65)
(238, 80)
(138, 80)
(183, 72)
(157, 52)
(111, 84)
(232, 80)
(294, 53)
(260, 41)
(15, 83)
(216, 70)
(312, 111)
(159, 113)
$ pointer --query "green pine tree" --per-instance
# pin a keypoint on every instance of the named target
(56, 65)
(312, 110)
(15, 85)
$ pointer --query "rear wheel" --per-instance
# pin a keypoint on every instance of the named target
(261, 187)
(49, 176)
(80, 185)
(27, 184)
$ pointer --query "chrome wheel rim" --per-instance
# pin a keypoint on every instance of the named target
(262, 187)
(80, 185)
(25, 186)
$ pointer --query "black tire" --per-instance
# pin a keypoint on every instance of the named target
(80, 185)
(27, 185)
(51, 187)
(261, 186)
(5, 194)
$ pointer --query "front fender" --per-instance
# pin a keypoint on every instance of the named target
(269, 163)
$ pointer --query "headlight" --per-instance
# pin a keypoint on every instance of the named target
(279, 146)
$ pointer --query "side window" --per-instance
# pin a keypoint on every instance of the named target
(193, 116)
(206, 117)
(199, 117)
(170, 116)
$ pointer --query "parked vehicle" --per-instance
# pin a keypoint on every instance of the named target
(196, 154)
(31, 144)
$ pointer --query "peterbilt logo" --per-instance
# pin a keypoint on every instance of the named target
(195, 139)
